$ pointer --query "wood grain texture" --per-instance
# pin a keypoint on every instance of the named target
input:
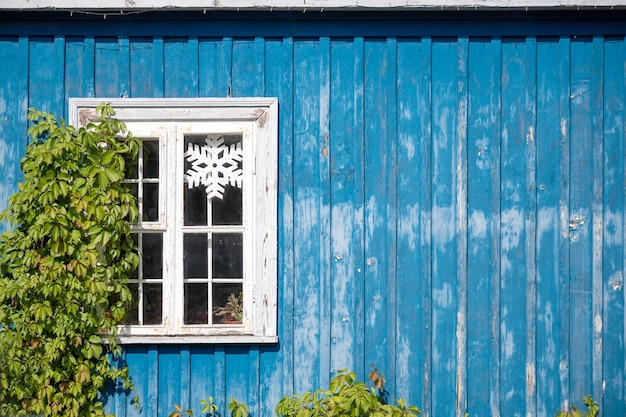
(451, 208)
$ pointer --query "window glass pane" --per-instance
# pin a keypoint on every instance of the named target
(227, 251)
(130, 314)
(227, 210)
(232, 139)
(131, 172)
(195, 255)
(213, 163)
(133, 190)
(152, 253)
(196, 166)
(150, 203)
(134, 274)
(227, 303)
(132, 310)
(151, 159)
(196, 304)
(195, 207)
(152, 303)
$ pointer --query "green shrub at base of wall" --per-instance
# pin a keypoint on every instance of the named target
(346, 396)
(592, 409)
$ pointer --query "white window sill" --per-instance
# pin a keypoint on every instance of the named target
(207, 340)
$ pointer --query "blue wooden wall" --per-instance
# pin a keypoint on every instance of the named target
(451, 202)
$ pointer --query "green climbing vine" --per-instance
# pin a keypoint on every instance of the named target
(63, 267)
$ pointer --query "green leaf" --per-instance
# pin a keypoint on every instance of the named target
(114, 175)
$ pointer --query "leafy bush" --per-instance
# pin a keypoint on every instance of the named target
(63, 268)
(348, 397)
(592, 409)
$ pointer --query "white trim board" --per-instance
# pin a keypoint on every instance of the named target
(306, 5)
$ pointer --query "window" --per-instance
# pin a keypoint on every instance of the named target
(206, 180)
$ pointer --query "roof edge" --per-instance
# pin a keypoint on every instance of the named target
(122, 6)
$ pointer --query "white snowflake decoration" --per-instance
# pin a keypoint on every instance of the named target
(214, 165)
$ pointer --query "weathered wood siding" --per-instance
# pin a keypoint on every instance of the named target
(451, 201)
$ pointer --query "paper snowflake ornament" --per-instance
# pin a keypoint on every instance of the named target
(214, 165)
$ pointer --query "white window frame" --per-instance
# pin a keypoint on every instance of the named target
(169, 119)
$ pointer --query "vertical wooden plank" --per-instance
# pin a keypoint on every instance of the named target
(107, 70)
(215, 67)
(58, 86)
(89, 71)
(152, 400)
(107, 397)
(124, 66)
(346, 112)
(180, 60)
(143, 76)
(248, 62)
(613, 402)
(79, 67)
(142, 366)
(45, 78)
(74, 52)
(380, 203)
(425, 249)
(13, 110)
(122, 400)
(482, 211)
(324, 203)
(159, 67)
(530, 220)
(259, 79)
(358, 248)
(254, 379)
(137, 362)
(112, 396)
(597, 287)
(461, 147)
(277, 362)
(516, 128)
(564, 211)
(236, 374)
(361, 367)
(581, 218)
(184, 379)
(169, 387)
(495, 226)
(444, 226)
(219, 377)
(244, 68)
(209, 57)
(410, 162)
(307, 146)
(202, 370)
(550, 120)
(79, 74)
(391, 85)
(227, 67)
(413, 240)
